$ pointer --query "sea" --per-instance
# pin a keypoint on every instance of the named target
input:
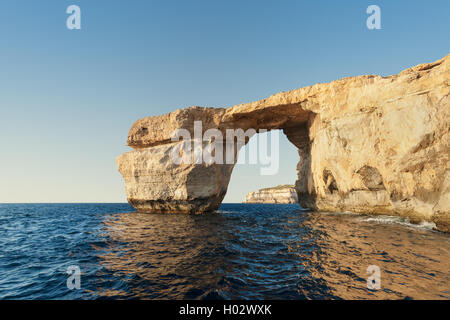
(241, 251)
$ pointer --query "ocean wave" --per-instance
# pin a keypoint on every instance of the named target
(382, 219)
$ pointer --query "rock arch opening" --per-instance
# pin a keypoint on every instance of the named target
(275, 184)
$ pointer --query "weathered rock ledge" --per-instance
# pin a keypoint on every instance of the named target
(279, 194)
(369, 144)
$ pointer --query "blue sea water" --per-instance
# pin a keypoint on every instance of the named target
(242, 251)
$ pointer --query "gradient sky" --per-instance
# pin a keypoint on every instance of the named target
(69, 97)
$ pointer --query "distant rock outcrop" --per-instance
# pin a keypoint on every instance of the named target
(278, 194)
(369, 144)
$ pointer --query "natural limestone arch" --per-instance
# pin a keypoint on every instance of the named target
(155, 184)
(369, 144)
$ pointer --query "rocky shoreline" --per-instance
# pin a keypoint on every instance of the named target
(285, 194)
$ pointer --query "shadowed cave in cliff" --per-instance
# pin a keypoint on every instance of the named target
(276, 166)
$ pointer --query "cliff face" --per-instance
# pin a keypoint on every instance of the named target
(370, 144)
(279, 194)
(156, 184)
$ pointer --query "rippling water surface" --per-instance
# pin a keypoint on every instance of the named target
(244, 251)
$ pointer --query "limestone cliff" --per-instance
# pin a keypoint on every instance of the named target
(369, 144)
(278, 194)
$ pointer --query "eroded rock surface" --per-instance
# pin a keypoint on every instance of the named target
(154, 183)
(369, 144)
(280, 194)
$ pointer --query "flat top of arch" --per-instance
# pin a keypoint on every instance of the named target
(293, 108)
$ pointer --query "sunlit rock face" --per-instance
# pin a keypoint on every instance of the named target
(154, 183)
(285, 194)
(369, 144)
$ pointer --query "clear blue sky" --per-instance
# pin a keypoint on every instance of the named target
(69, 97)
